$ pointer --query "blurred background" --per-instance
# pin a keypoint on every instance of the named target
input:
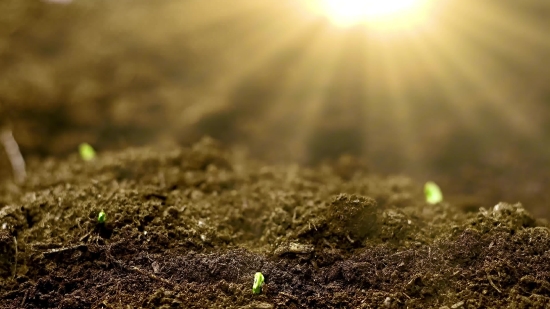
(455, 91)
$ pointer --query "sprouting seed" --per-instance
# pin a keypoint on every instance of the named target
(101, 217)
(258, 282)
(87, 152)
(433, 193)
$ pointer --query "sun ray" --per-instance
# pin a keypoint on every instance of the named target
(400, 115)
(291, 111)
(461, 64)
(442, 70)
(305, 91)
(497, 80)
(259, 44)
(341, 117)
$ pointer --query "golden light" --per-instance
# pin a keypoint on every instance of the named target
(384, 14)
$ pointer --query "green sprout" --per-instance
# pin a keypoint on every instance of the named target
(87, 152)
(258, 282)
(433, 193)
(101, 217)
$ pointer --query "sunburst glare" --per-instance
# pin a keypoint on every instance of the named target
(383, 14)
(289, 71)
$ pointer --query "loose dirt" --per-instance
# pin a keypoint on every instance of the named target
(189, 227)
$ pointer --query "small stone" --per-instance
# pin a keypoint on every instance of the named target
(258, 305)
(262, 306)
(156, 267)
(295, 248)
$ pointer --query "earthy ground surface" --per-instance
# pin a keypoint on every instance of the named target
(189, 227)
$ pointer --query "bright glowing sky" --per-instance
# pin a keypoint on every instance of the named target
(383, 14)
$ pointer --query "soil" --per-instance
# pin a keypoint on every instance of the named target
(189, 227)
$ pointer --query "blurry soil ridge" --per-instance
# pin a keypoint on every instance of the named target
(189, 227)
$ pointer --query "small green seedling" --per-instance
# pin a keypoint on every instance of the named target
(433, 193)
(258, 282)
(101, 217)
(87, 152)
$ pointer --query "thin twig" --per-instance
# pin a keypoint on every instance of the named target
(14, 155)
(140, 271)
(84, 237)
(153, 276)
(15, 267)
(24, 297)
(491, 282)
(58, 250)
(289, 296)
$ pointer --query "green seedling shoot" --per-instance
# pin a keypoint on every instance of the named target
(87, 152)
(101, 217)
(433, 193)
(258, 282)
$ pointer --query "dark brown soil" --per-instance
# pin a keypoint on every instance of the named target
(189, 227)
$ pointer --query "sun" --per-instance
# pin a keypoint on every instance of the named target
(380, 13)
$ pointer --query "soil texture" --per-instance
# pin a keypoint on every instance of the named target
(189, 228)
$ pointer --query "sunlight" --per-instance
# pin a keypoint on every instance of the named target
(383, 14)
